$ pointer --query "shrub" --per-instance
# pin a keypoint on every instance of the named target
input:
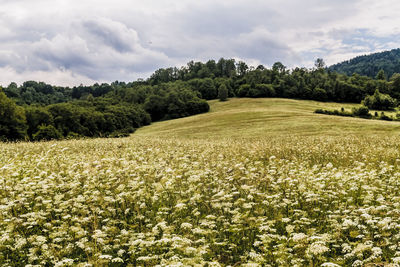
(122, 133)
(362, 111)
(46, 132)
(333, 112)
(222, 92)
(384, 117)
(73, 135)
(379, 101)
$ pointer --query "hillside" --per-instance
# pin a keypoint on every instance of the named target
(42, 112)
(281, 187)
(256, 118)
(369, 65)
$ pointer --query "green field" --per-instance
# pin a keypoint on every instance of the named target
(254, 182)
(268, 117)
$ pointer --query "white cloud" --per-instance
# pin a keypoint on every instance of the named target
(71, 41)
(56, 76)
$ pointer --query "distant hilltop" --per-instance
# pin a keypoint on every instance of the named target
(369, 65)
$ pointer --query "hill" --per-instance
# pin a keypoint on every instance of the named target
(41, 111)
(271, 117)
(254, 182)
(369, 65)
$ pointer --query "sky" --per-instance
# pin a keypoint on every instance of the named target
(72, 42)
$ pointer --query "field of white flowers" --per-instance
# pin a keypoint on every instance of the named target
(302, 201)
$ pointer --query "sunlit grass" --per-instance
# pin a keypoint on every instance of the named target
(255, 118)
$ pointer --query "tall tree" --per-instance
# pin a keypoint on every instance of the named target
(222, 92)
(395, 85)
(381, 75)
(319, 63)
(12, 119)
(242, 68)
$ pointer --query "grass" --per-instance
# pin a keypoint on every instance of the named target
(254, 182)
(267, 117)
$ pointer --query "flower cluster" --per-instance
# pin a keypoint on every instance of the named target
(278, 202)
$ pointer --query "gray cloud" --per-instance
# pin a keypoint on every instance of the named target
(262, 45)
(72, 42)
(113, 34)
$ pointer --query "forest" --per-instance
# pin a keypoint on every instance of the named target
(370, 65)
(38, 111)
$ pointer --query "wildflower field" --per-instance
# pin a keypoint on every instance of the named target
(281, 200)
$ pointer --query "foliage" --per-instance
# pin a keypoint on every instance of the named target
(12, 120)
(361, 111)
(222, 92)
(379, 101)
(319, 63)
(106, 110)
(46, 132)
(381, 75)
(336, 112)
(102, 109)
(394, 86)
(370, 65)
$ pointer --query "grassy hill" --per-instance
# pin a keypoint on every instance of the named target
(267, 117)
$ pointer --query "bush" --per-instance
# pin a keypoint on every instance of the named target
(362, 111)
(222, 92)
(333, 112)
(379, 101)
(384, 117)
(73, 135)
(122, 133)
(47, 132)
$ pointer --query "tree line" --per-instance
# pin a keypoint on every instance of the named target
(318, 83)
(114, 112)
(39, 111)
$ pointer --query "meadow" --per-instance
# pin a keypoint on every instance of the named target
(254, 182)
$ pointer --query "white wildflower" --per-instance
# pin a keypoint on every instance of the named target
(317, 248)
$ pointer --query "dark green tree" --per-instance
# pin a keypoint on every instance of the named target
(394, 86)
(156, 106)
(381, 75)
(207, 89)
(222, 92)
(36, 116)
(12, 120)
(319, 94)
(242, 68)
(319, 63)
(379, 101)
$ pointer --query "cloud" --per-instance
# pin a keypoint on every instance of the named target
(113, 34)
(87, 41)
(97, 49)
(57, 77)
(262, 45)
